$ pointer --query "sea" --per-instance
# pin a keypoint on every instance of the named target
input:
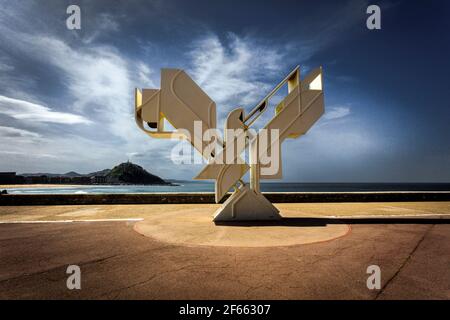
(201, 186)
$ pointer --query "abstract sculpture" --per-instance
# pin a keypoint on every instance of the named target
(192, 113)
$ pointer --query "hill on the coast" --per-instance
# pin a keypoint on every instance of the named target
(72, 174)
(131, 173)
(124, 173)
(102, 173)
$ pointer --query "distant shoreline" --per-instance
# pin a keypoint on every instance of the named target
(207, 186)
(49, 185)
(21, 186)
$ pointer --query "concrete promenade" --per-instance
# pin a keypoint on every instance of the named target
(410, 241)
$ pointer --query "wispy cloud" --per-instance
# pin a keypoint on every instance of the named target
(145, 75)
(231, 72)
(28, 154)
(97, 85)
(104, 24)
(10, 132)
(98, 79)
(336, 113)
(24, 110)
(5, 67)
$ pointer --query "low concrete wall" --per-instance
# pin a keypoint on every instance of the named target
(174, 198)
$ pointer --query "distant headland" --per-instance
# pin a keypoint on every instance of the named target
(124, 173)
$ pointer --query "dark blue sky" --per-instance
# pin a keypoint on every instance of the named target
(66, 96)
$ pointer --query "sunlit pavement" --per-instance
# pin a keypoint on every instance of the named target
(119, 263)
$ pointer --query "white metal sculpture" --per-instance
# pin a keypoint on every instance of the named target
(187, 108)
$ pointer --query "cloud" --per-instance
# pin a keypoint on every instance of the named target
(24, 110)
(331, 151)
(104, 24)
(98, 80)
(336, 113)
(144, 76)
(231, 72)
(132, 155)
(27, 154)
(97, 84)
(107, 22)
(10, 132)
(5, 67)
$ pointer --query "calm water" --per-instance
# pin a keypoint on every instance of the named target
(199, 186)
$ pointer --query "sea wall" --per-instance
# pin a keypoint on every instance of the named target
(185, 198)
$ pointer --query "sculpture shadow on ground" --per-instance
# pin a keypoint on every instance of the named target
(323, 222)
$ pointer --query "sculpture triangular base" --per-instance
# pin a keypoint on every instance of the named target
(246, 204)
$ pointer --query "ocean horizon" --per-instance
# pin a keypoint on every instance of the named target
(202, 186)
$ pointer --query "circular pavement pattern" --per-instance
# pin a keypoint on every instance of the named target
(194, 227)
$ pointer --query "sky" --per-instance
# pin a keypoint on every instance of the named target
(67, 96)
